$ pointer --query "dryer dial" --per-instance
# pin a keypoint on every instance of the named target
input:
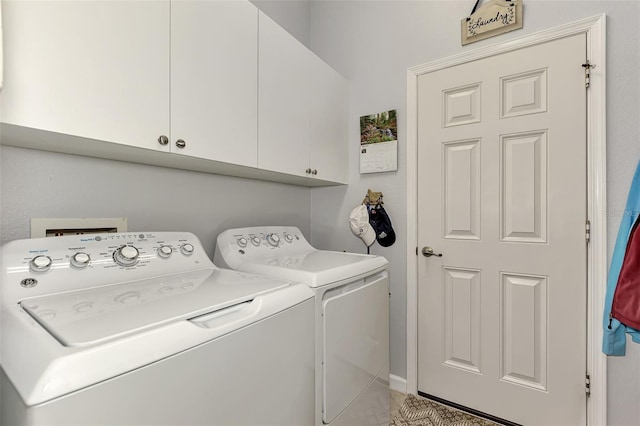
(126, 256)
(165, 251)
(186, 249)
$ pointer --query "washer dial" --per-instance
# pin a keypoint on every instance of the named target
(40, 263)
(80, 260)
(255, 240)
(126, 256)
(288, 238)
(242, 242)
(273, 239)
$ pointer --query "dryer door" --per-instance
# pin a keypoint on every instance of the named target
(356, 340)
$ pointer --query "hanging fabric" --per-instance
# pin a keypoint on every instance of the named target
(623, 259)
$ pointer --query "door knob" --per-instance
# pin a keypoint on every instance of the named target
(428, 252)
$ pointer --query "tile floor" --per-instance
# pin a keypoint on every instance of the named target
(396, 400)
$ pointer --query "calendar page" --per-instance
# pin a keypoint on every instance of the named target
(379, 142)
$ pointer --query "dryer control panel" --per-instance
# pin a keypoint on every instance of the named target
(235, 246)
(37, 266)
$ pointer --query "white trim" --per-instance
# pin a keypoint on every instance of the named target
(595, 30)
(397, 383)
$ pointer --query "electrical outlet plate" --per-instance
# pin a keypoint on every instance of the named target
(52, 227)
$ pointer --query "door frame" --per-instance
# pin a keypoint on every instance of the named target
(595, 30)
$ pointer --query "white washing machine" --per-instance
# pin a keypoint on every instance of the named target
(141, 328)
(352, 316)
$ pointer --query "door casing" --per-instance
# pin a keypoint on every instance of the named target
(595, 30)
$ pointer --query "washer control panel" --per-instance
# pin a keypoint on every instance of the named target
(235, 246)
(36, 266)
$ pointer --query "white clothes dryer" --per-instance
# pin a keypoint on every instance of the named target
(352, 316)
(141, 328)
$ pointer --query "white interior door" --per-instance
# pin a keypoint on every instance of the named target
(502, 195)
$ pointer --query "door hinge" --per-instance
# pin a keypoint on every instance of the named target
(587, 230)
(588, 66)
(587, 384)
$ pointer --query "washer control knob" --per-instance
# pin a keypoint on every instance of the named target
(273, 239)
(242, 242)
(40, 263)
(80, 260)
(255, 240)
(165, 251)
(186, 249)
(126, 256)
(288, 238)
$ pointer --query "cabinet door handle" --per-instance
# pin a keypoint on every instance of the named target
(181, 143)
(308, 171)
(314, 172)
(163, 140)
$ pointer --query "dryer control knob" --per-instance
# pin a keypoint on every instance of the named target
(255, 241)
(273, 239)
(80, 260)
(40, 263)
(126, 256)
(186, 249)
(165, 251)
(242, 242)
(288, 238)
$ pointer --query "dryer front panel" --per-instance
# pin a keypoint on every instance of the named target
(355, 336)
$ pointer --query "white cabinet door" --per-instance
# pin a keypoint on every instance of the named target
(214, 79)
(329, 101)
(95, 69)
(283, 100)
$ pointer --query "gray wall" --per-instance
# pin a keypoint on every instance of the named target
(292, 15)
(372, 43)
(44, 184)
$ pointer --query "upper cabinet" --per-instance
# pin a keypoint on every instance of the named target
(302, 109)
(214, 80)
(328, 124)
(283, 100)
(212, 86)
(94, 69)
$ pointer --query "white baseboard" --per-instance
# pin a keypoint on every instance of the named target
(398, 384)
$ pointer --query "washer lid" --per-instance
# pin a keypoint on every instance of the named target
(99, 314)
(316, 267)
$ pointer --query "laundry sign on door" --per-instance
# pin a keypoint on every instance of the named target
(379, 142)
(491, 19)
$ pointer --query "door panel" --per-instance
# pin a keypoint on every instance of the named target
(502, 195)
